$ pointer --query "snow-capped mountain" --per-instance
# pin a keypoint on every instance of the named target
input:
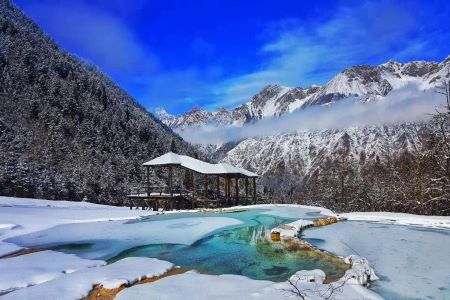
(287, 161)
(365, 82)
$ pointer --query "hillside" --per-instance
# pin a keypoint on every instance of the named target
(66, 130)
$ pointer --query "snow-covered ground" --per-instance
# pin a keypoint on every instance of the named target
(48, 273)
(25, 270)
(400, 254)
(197, 286)
(23, 215)
(77, 285)
(412, 262)
(400, 219)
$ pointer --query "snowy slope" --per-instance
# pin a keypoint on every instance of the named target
(299, 153)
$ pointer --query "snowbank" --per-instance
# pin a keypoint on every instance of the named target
(30, 215)
(111, 238)
(78, 284)
(412, 262)
(8, 248)
(292, 229)
(293, 211)
(199, 286)
(35, 268)
(399, 218)
(361, 272)
(30, 202)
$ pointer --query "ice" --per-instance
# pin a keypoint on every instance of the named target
(412, 262)
(292, 210)
(111, 238)
(22, 271)
(77, 285)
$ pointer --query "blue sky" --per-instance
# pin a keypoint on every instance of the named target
(180, 54)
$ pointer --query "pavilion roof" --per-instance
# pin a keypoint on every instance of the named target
(170, 159)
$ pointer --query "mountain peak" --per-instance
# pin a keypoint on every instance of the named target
(162, 114)
(196, 110)
(368, 82)
(446, 60)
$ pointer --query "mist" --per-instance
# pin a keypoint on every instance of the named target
(407, 104)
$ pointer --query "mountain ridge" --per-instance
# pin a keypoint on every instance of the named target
(366, 82)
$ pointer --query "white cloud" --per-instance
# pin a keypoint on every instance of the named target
(91, 32)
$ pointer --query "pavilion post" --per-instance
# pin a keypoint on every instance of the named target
(227, 189)
(194, 190)
(148, 181)
(237, 190)
(218, 187)
(170, 180)
(254, 190)
(246, 190)
(205, 178)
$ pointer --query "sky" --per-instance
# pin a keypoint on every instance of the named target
(211, 54)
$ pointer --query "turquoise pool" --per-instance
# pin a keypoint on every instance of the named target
(243, 249)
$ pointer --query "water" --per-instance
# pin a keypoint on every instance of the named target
(243, 249)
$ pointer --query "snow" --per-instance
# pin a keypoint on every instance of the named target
(399, 254)
(30, 202)
(6, 226)
(361, 272)
(294, 210)
(412, 262)
(31, 222)
(38, 267)
(292, 229)
(27, 215)
(270, 106)
(111, 238)
(199, 166)
(8, 248)
(201, 286)
(78, 284)
(400, 219)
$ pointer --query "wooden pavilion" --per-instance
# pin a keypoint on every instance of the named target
(198, 192)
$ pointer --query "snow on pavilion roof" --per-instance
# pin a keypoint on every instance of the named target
(197, 165)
